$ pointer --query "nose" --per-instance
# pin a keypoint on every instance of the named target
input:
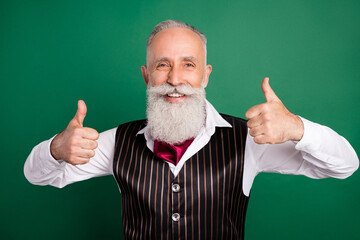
(175, 76)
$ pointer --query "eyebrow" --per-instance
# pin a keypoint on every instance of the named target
(188, 58)
(192, 59)
(163, 59)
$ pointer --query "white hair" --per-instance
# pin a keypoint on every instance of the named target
(175, 123)
(172, 24)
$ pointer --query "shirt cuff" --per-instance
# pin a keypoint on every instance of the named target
(48, 161)
(310, 137)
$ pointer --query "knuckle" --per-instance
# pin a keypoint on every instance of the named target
(92, 133)
(266, 107)
(251, 132)
(267, 116)
(78, 162)
(72, 160)
(77, 131)
(74, 142)
(267, 127)
(72, 149)
(258, 140)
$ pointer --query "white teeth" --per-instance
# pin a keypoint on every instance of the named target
(175, 95)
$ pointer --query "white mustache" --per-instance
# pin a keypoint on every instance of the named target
(166, 88)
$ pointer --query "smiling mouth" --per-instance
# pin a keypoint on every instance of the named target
(175, 95)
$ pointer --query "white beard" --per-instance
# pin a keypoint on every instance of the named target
(175, 123)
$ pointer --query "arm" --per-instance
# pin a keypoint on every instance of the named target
(297, 146)
(73, 155)
(321, 153)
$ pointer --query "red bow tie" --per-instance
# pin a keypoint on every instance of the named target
(169, 152)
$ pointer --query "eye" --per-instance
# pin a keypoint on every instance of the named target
(162, 65)
(189, 65)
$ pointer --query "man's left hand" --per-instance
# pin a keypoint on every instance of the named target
(271, 122)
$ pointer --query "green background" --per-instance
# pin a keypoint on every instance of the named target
(53, 53)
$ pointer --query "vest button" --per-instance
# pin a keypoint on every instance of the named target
(175, 217)
(175, 187)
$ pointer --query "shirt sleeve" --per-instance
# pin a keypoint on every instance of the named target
(42, 169)
(321, 153)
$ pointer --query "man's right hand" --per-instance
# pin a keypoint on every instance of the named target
(76, 144)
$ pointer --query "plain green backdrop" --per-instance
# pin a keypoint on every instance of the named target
(53, 53)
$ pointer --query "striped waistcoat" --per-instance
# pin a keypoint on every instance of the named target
(204, 201)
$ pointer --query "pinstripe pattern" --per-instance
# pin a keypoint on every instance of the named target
(210, 201)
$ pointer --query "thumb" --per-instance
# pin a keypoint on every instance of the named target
(268, 92)
(80, 114)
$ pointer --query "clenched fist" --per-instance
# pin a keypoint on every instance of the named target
(271, 122)
(76, 144)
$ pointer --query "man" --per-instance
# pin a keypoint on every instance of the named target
(186, 172)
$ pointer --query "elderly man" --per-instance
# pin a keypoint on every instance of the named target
(186, 172)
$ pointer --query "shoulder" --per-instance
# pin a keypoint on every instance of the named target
(131, 127)
(234, 120)
(238, 125)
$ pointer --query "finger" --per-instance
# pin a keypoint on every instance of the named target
(267, 90)
(264, 139)
(80, 114)
(255, 121)
(260, 139)
(253, 111)
(89, 133)
(256, 131)
(86, 153)
(79, 160)
(88, 144)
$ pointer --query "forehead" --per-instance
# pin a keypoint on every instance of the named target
(176, 42)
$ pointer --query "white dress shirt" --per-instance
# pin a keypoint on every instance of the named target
(321, 153)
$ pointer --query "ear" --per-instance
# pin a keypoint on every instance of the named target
(208, 70)
(145, 75)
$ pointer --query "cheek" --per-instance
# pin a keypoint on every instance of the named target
(195, 78)
(158, 78)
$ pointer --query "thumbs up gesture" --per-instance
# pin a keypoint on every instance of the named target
(76, 144)
(271, 122)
